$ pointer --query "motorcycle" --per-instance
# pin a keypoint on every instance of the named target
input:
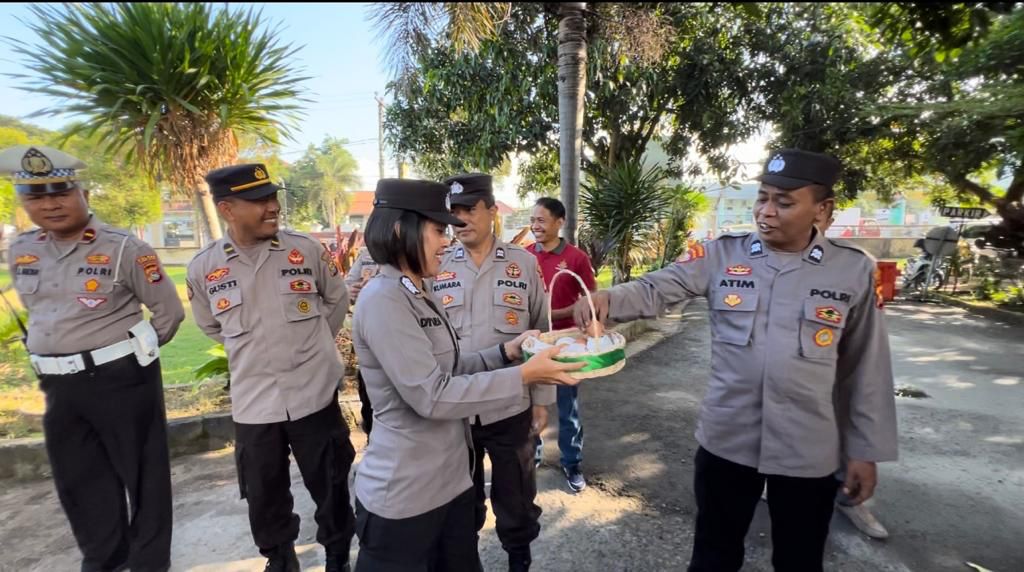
(915, 274)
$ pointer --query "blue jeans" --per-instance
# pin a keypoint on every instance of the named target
(570, 429)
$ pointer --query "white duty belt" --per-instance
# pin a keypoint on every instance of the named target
(143, 344)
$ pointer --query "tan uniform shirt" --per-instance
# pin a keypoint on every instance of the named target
(493, 304)
(783, 336)
(79, 298)
(362, 269)
(277, 317)
(422, 389)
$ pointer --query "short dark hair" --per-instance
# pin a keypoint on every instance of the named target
(554, 206)
(821, 192)
(388, 245)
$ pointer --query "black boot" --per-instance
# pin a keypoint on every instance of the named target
(519, 559)
(337, 561)
(283, 559)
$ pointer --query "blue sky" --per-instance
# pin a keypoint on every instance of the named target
(340, 54)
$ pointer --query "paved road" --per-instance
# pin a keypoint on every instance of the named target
(956, 495)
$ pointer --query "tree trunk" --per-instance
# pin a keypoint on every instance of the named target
(572, 81)
(211, 223)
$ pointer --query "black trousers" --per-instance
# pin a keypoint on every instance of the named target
(106, 437)
(513, 480)
(727, 495)
(324, 454)
(441, 540)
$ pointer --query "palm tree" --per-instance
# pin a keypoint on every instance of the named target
(408, 25)
(339, 171)
(623, 204)
(172, 84)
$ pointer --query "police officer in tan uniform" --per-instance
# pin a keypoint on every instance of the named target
(797, 328)
(276, 301)
(493, 292)
(84, 284)
(362, 270)
(414, 490)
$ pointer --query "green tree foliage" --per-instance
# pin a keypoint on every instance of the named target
(320, 181)
(690, 82)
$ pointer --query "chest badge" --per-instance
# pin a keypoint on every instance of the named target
(223, 304)
(26, 259)
(823, 338)
(733, 300)
(97, 259)
(218, 274)
(447, 299)
(739, 270)
(300, 286)
(513, 271)
(296, 257)
(303, 306)
(829, 314)
(91, 285)
(563, 265)
(511, 318)
(91, 303)
(514, 299)
(445, 276)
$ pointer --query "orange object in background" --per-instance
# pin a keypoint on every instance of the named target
(888, 279)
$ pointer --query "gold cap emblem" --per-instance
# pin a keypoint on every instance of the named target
(259, 173)
(36, 163)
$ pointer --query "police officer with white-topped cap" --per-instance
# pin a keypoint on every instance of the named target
(84, 284)
(801, 374)
(414, 487)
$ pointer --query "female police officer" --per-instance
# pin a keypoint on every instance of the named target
(414, 492)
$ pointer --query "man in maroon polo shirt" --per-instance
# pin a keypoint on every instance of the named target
(554, 254)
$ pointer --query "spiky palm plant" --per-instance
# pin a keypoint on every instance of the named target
(171, 84)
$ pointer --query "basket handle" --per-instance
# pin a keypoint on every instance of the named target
(551, 293)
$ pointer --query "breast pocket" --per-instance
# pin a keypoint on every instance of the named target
(511, 313)
(299, 298)
(454, 303)
(26, 284)
(821, 328)
(732, 316)
(227, 310)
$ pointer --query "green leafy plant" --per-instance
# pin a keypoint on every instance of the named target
(622, 205)
(216, 366)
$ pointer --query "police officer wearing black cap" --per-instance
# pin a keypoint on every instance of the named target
(84, 284)
(414, 487)
(276, 301)
(493, 291)
(801, 375)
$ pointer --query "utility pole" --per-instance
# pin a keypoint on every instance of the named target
(380, 133)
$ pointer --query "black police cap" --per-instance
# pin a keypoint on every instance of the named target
(428, 198)
(795, 168)
(250, 181)
(470, 188)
